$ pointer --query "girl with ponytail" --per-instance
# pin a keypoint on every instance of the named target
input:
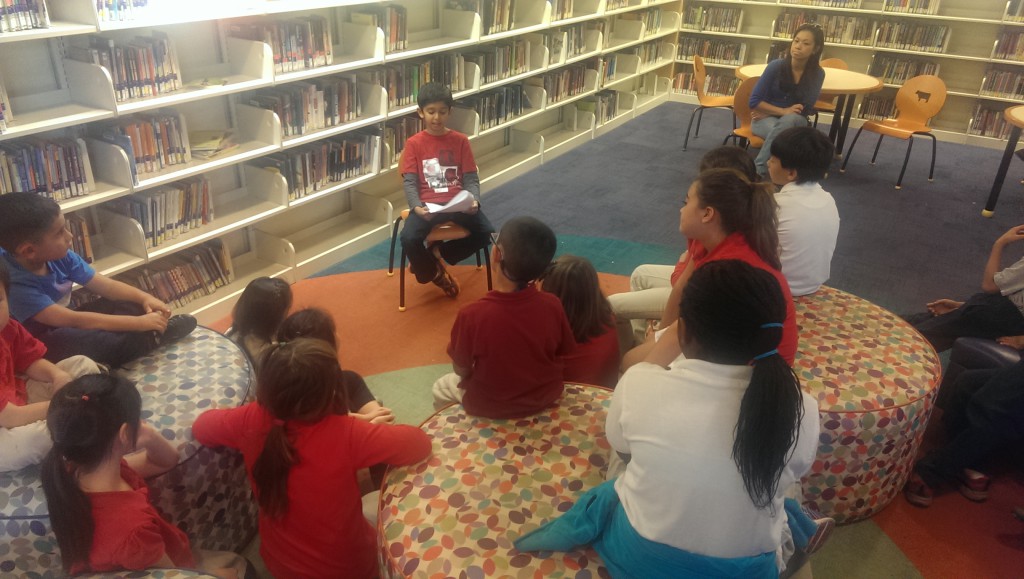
(712, 444)
(302, 450)
(93, 481)
(725, 216)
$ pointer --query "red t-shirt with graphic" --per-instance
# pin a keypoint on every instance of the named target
(439, 162)
(18, 351)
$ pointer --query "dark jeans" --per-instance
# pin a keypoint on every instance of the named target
(984, 412)
(416, 230)
(104, 347)
(983, 315)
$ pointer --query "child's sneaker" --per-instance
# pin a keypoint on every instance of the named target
(825, 527)
(974, 485)
(917, 492)
(447, 283)
(177, 328)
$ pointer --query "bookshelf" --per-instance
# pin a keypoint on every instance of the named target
(309, 102)
(976, 47)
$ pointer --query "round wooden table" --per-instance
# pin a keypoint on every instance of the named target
(488, 483)
(1014, 116)
(875, 378)
(846, 84)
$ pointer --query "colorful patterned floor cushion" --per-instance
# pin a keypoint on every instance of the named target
(875, 378)
(207, 494)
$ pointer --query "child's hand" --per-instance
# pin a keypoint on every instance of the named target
(796, 109)
(151, 322)
(1015, 342)
(376, 416)
(1014, 234)
(151, 304)
(473, 209)
(943, 306)
(422, 212)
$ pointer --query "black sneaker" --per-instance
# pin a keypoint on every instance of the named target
(177, 328)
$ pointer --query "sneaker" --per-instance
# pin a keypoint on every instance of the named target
(177, 328)
(917, 492)
(447, 283)
(974, 485)
(825, 527)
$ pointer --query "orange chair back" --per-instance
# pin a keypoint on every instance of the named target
(700, 76)
(834, 63)
(919, 99)
(741, 103)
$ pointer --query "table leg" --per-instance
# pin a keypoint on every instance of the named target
(837, 117)
(1004, 165)
(847, 113)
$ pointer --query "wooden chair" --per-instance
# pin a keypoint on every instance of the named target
(741, 106)
(828, 104)
(704, 101)
(917, 101)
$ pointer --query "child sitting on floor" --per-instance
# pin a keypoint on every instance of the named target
(125, 324)
(712, 444)
(27, 383)
(506, 347)
(596, 357)
(318, 324)
(808, 218)
(258, 313)
(93, 479)
(302, 451)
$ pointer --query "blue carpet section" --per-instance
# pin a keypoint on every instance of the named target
(608, 255)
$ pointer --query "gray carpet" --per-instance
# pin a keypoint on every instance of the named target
(898, 249)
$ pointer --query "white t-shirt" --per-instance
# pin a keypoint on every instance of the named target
(808, 228)
(681, 486)
(1010, 282)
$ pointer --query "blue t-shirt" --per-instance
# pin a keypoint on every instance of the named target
(769, 88)
(31, 294)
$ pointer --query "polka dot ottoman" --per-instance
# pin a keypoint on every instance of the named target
(489, 482)
(875, 378)
(207, 494)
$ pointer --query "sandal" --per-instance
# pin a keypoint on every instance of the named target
(447, 283)
(974, 485)
(917, 492)
(825, 527)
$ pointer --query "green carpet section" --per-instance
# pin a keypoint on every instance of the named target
(407, 392)
(861, 550)
(614, 256)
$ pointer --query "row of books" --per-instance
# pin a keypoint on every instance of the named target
(81, 241)
(652, 52)
(1010, 46)
(838, 28)
(498, 106)
(616, 4)
(6, 114)
(1015, 11)
(168, 211)
(297, 43)
(398, 131)
(57, 168)
(713, 50)
(604, 105)
(561, 9)
(314, 167)
(911, 6)
(501, 60)
(152, 141)
(188, 275)
(852, 4)
(712, 18)
(716, 83)
(392, 19)
(118, 10)
(911, 36)
(495, 15)
(897, 70)
(309, 106)
(18, 15)
(144, 66)
(988, 122)
(1003, 83)
(563, 83)
(651, 18)
(877, 107)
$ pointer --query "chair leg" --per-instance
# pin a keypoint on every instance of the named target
(487, 260)
(846, 158)
(877, 145)
(401, 281)
(478, 265)
(686, 140)
(700, 117)
(931, 171)
(906, 159)
(391, 255)
(815, 119)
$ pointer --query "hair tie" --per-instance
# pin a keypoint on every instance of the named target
(85, 397)
(765, 355)
(771, 325)
(277, 422)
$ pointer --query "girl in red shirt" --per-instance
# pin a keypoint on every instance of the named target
(302, 450)
(596, 357)
(93, 481)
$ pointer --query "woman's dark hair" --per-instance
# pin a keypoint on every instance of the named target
(786, 82)
(734, 312)
(309, 323)
(297, 380)
(746, 207)
(574, 280)
(84, 420)
(261, 308)
(730, 157)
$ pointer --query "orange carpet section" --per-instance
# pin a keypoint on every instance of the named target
(374, 337)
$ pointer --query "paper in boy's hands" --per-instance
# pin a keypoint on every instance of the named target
(460, 203)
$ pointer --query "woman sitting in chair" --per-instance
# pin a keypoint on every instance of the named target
(787, 90)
